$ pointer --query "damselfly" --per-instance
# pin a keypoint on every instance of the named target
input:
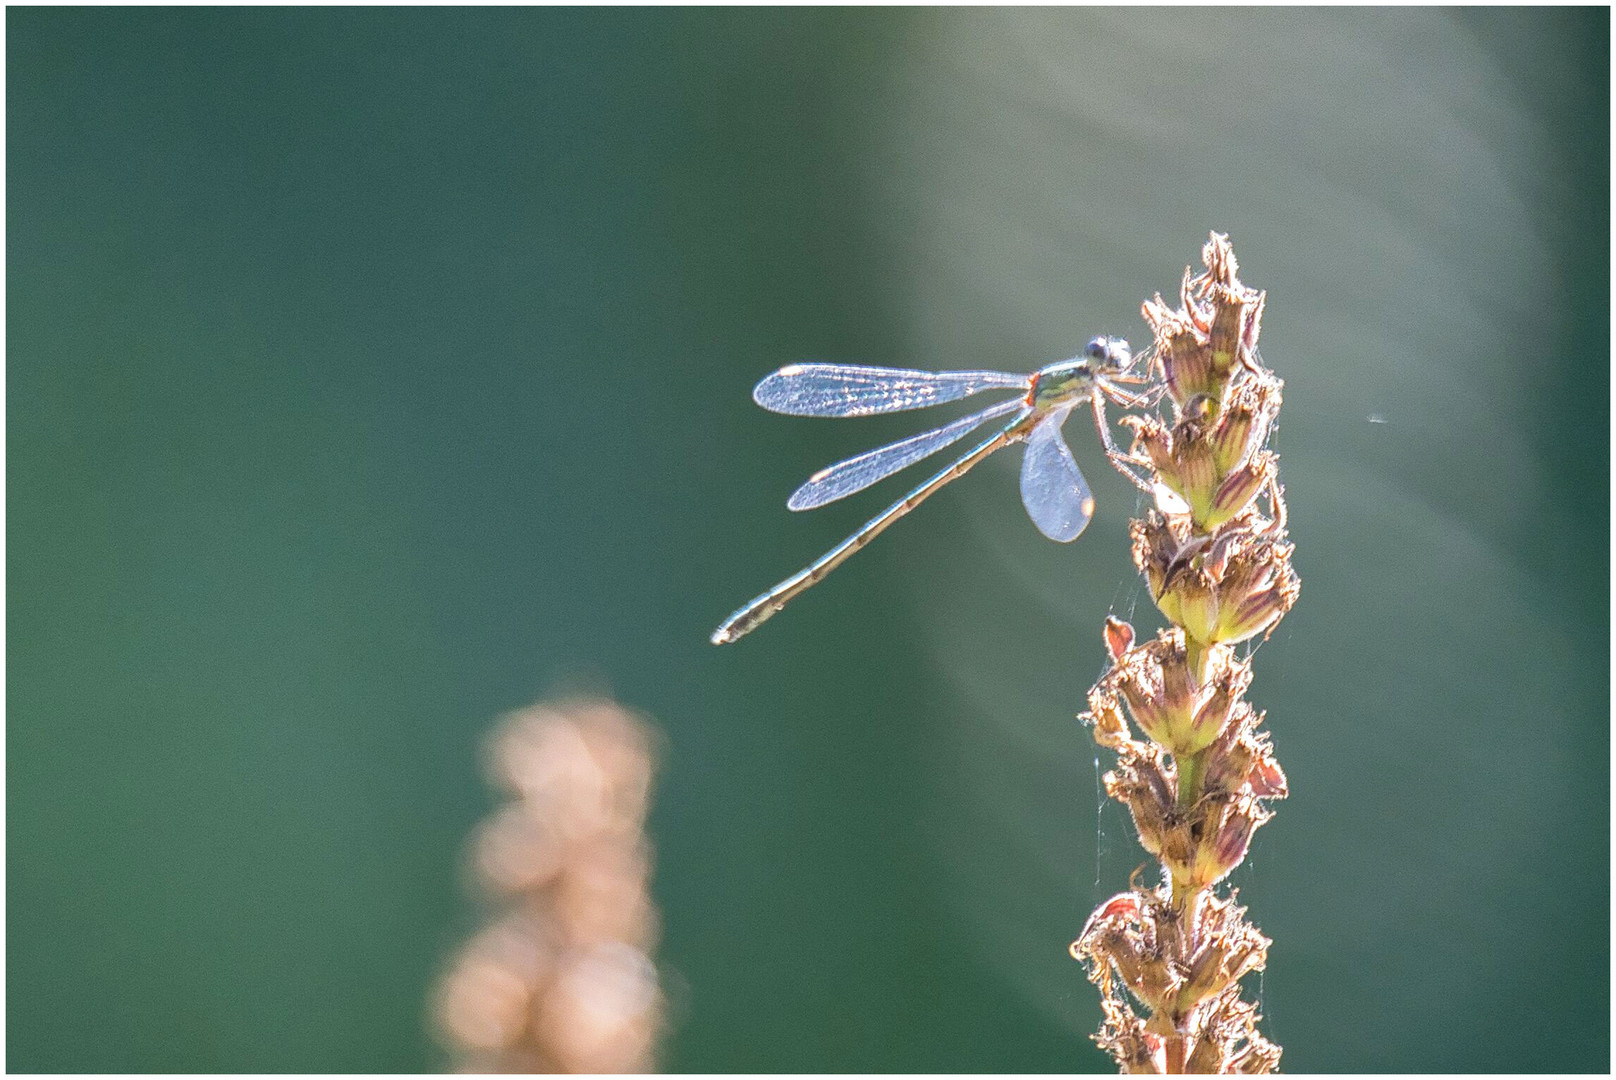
(1053, 490)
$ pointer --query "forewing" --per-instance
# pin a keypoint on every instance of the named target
(857, 473)
(850, 390)
(1053, 490)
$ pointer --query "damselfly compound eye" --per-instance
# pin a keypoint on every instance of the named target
(1108, 353)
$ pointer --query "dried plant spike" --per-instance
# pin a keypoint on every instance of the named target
(1199, 776)
(561, 977)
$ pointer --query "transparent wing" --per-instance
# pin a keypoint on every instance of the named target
(850, 390)
(857, 473)
(1053, 490)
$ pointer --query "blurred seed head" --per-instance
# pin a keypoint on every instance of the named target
(602, 1011)
(561, 979)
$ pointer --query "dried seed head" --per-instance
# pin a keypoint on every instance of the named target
(1233, 837)
(1219, 699)
(1228, 331)
(1230, 947)
(1232, 439)
(1241, 761)
(1230, 758)
(1142, 784)
(1110, 729)
(1157, 695)
(1122, 1035)
(1236, 490)
(1258, 612)
(1155, 550)
(1191, 602)
(1155, 438)
(1218, 565)
(1131, 937)
(1258, 588)
(1229, 1041)
(1247, 416)
(1196, 476)
(1214, 331)
(1226, 590)
(1164, 700)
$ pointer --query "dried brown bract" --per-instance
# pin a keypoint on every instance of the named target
(1217, 560)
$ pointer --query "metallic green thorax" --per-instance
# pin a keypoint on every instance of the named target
(1062, 384)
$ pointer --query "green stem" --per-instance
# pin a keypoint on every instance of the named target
(1190, 771)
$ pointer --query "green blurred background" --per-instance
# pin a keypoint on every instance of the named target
(371, 373)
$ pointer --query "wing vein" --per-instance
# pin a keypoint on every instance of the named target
(857, 473)
(851, 390)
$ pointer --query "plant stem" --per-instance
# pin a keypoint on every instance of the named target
(1190, 770)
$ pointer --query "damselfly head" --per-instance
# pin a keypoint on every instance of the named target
(1107, 355)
